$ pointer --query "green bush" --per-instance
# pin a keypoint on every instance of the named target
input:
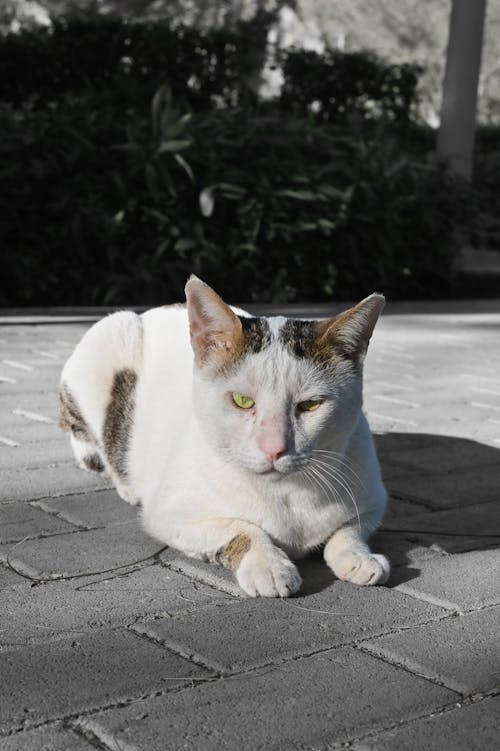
(103, 204)
(335, 85)
(92, 52)
(133, 154)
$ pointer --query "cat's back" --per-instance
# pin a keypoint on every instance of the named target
(167, 361)
(162, 410)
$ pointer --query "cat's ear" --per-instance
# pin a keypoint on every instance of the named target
(350, 332)
(216, 332)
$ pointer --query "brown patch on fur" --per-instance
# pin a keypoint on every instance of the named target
(93, 463)
(231, 554)
(310, 340)
(71, 418)
(256, 334)
(346, 336)
(219, 337)
(118, 420)
(253, 336)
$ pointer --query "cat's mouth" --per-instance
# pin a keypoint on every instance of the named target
(275, 472)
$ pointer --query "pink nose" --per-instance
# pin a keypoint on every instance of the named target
(272, 450)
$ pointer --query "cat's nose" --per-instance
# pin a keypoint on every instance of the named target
(273, 450)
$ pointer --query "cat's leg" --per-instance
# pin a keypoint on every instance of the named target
(261, 568)
(351, 559)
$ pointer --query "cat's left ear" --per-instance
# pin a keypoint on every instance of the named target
(216, 332)
(350, 332)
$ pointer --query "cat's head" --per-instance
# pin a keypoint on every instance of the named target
(268, 392)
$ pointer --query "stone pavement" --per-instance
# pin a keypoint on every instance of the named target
(108, 641)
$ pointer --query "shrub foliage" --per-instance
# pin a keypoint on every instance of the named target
(126, 165)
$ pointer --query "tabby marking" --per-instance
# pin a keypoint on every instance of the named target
(118, 420)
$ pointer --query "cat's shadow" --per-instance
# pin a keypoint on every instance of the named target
(442, 492)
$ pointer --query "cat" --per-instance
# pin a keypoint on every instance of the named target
(243, 438)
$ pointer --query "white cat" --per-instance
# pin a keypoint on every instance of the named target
(251, 453)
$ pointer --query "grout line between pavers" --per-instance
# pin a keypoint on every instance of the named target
(196, 659)
(41, 536)
(444, 709)
(80, 491)
(430, 506)
(74, 719)
(84, 491)
(424, 597)
(99, 737)
(413, 668)
(279, 661)
(192, 574)
(29, 573)
(43, 506)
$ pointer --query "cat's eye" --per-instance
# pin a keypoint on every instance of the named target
(309, 405)
(243, 402)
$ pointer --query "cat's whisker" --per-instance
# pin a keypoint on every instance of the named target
(337, 476)
(335, 469)
(338, 457)
(304, 472)
(323, 482)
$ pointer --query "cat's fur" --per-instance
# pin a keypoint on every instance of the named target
(248, 488)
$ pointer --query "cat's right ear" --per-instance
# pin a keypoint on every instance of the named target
(216, 332)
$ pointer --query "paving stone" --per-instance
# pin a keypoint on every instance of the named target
(298, 705)
(392, 471)
(9, 578)
(43, 403)
(399, 509)
(79, 673)
(389, 445)
(24, 432)
(50, 738)
(31, 484)
(44, 612)
(84, 552)
(461, 652)
(329, 613)
(473, 727)
(239, 635)
(95, 509)
(460, 488)
(214, 576)
(465, 581)
(318, 580)
(461, 529)
(446, 454)
(426, 583)
(32, 455)
(20, 520)
(405, 552)
(34, 382)
(355, 611)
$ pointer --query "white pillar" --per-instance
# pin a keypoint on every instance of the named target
(455, 144)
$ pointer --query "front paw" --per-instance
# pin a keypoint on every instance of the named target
(360, 568)
(268, 573)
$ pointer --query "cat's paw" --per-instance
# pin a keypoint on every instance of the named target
(127, 495)
(360, 568)
(268, 573)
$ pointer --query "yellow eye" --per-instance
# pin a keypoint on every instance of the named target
(243, 402)
(310, 405)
